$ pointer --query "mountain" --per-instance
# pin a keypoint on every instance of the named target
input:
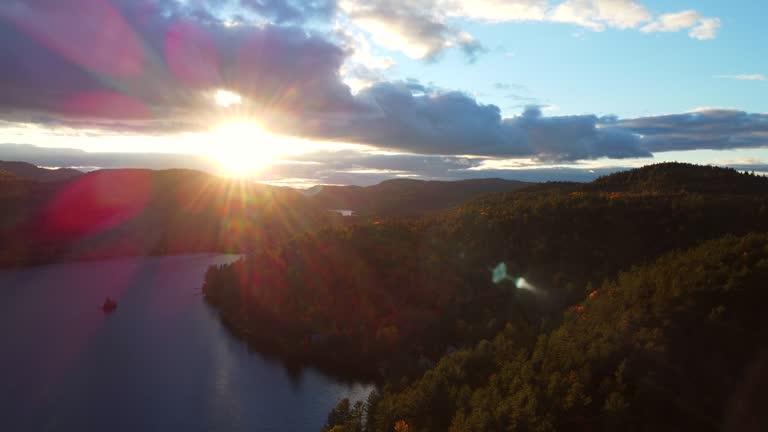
(28, 171)
(406, 197)
(136, 212)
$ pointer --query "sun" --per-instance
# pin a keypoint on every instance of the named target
(242, 149)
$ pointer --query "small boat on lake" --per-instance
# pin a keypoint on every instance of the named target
(109, 305)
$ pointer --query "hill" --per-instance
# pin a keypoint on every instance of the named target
(135, 212)
(406, 197)
(381, 296)
(676, 345)
(28, 171)
(681, 177)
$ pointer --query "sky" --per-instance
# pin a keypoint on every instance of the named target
(304, 92)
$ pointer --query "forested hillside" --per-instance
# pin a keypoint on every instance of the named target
(389, 297)
(678, 345)
(407, 197)
(682, 177)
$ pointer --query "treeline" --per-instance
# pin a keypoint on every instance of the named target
(390, 297)
(683, 177)
(681, 344)
(406, 197)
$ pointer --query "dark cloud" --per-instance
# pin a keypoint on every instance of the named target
(413, 119)
(161, 57)
(716, 129)
(423, 165)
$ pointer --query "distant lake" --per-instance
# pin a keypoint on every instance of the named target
(344, 212)
(161, 362)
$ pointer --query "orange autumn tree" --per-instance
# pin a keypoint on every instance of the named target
(401, 426)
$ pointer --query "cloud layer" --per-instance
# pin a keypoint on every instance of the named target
(152, 67)
(716, 129)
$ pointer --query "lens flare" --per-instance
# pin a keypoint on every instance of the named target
(499, 274)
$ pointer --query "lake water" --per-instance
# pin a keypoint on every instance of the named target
(161, 362)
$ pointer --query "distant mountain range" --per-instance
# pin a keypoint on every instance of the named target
(407, 197)
(27, 171)
(398, 197)
(50, 215)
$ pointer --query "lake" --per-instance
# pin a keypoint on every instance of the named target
(162, 361)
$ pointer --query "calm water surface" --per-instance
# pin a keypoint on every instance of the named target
(161, 362)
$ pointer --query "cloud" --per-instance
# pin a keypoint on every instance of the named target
(426, 28)
(162, 66)
(744, 77)
(601, 14)
(698, 27)
(710, 128)
(362, 67)
(67, 157)
(168, 65)
(419, 29)
(413, 118)
(289, 80)
(706, 29)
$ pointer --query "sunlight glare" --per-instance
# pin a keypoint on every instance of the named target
(242, 149)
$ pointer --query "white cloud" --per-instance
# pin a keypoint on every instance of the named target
(362, 67)
(698, 26)
(673, 22)
(599, 14)
(744, 77)
(496, 10)
(706, 30)
(425, 28)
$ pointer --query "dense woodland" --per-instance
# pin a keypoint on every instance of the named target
(677, 345)
(395, 291)
(539, 309)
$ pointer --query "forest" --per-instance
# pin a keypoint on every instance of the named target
(554, 307)
(679, 344)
